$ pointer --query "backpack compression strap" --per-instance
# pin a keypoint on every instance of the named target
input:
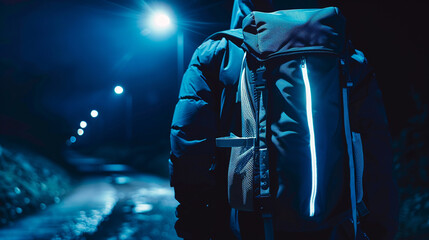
(264, 197)
(348, 84)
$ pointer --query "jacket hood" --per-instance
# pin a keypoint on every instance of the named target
(242, 8)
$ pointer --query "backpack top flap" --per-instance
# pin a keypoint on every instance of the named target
(286, 31)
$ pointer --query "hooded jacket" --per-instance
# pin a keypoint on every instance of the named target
(207, 109)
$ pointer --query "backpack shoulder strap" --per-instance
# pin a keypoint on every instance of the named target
(234, 35)
(347, 84)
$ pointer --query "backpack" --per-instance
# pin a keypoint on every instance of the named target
(296, 154)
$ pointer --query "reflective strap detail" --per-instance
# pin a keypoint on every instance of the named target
(312, 138)
(235, 141)
(351, 160)
(359, 162)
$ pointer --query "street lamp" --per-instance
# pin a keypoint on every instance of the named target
(83, 124)
(160, 21)
(129, 108)
(119, 90)
(180, 56)
(94, 113)
(80, 132)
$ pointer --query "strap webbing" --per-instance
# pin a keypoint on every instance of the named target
(260, 98)
(228, 142)
(268, 226)
(351, 160)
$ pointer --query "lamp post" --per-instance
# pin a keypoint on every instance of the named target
(180, 56)
(119, 90)
(160, 23)
(129, 109)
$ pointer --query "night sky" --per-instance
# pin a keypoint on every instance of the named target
(61, 59)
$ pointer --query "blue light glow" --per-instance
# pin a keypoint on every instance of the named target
(312, 140)
(72, 139)
(80, 132)
(160, 20)
(83, 124)
(119, 90)
(94, 113)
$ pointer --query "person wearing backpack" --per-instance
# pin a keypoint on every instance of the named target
(280, 133)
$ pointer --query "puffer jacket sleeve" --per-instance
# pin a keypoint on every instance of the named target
(369, 118)
(192, 138)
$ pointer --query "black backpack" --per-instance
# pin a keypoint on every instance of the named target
(296, 154)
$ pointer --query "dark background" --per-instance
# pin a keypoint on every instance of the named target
(61, 59)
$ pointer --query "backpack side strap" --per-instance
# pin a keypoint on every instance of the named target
(348, 134)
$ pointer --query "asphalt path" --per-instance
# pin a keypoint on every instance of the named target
(120, 206)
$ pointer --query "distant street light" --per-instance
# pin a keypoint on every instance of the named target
(119, 90)
(83, 124)
(160, 21)
(180, 56)
(72, 139)
(129, 109)
(94, 113)
(161, 24)
(80, 132)
(157, 21)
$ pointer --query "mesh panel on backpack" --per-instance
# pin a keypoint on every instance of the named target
(241, 165)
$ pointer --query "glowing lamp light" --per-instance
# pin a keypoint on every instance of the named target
(119, 90)
(160, 20)
(72, 139)
(83, 124)
(94, 113)
(80, 132)
(159, 23)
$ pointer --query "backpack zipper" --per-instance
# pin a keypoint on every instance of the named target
(312, 138)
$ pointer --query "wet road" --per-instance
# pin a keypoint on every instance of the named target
(116, 207)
